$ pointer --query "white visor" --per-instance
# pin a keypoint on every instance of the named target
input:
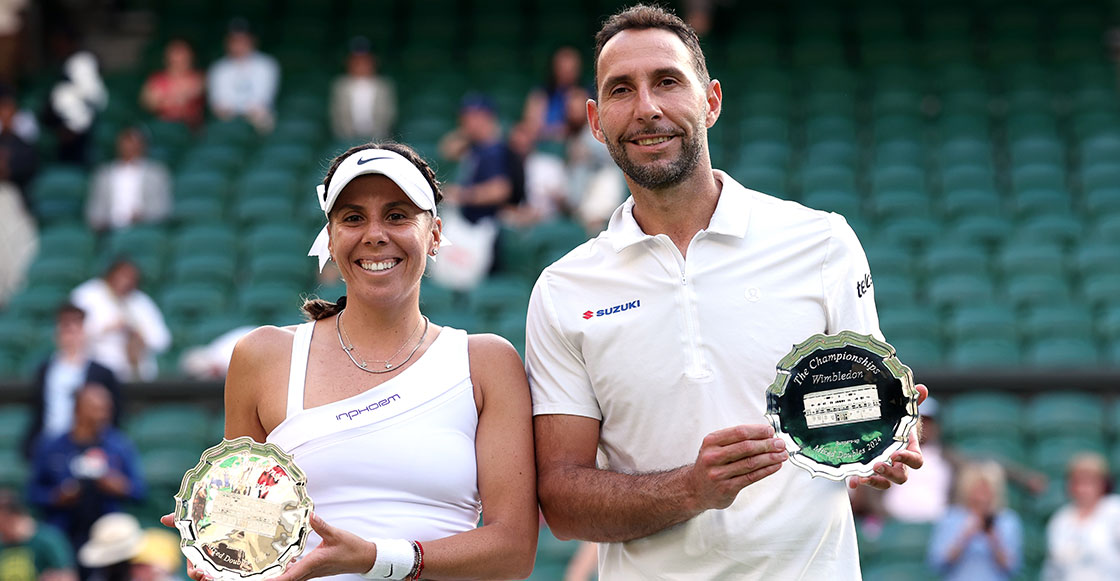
(371, 161)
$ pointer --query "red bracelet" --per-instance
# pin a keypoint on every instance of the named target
(420, 569)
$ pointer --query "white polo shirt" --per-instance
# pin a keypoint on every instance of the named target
(664, 350)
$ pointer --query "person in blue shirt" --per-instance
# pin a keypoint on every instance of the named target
(90, 471)
(979, 538)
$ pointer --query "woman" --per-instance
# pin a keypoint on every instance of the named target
(407, 431)
(176, 92)
(978, 539)
(1083, 537)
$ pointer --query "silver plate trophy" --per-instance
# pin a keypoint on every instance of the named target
(243, 512)
(842, 403)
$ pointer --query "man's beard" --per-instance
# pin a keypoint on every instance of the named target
(656, 176)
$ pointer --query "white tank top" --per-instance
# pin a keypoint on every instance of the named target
(397, 460)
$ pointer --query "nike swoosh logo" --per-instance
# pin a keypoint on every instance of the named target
(362, 161)
(388, 575)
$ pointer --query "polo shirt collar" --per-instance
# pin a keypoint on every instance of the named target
(731, 216)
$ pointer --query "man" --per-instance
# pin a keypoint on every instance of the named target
(86, 473)
(488, 180)
(60, 377)
(31, 551)
(131, 189)
(363, 102)
(653, 344)
(244, 82)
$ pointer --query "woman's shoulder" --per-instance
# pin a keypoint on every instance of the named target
(489, 345)
(267, 341)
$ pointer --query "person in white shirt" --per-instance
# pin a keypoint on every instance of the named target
(124, 326)
(245, 81)
(1083, 537)
(131, 189)
(363, 103)
(654, 344)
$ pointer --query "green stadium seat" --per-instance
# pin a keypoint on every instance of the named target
(494, 296)
(1032, 289)
(1107, 228)
(192, 301)
(236, 133)
(965, 126)
(953, 290)
(969, 202)
(832, 152)
(952, 257)
(888, 259)
(1051, 454)
(895, 290)
(898, 150)
(1063, 352)
(15, 419)
(38, 302)
(997, 321)
(208, 239)
(982, 413)
(198, 211)
(270, 304)
(294, 157)
(249, 209)
(1037, 177)
(66, 270)
(765, 153)
(1103, 200)
(16, 473)
(66, 240)
(828, 177)
(1019, 257)
(1063, 413)
(763, 128)
(765, 179)
(967, 176)
(201, 184)
(1101, 289)
(459, 319)
(982, 229)
(919, 352)
(984, 353)
(1051, 228)
(274, 184)
(176, 426)
(898, 571)
(283, 238)
(905, 542)
(298, 130)
(1041, 201)
(1100, 175)
(831, 127)
(991, 446)
(59, 193)
(281, 269)
(1036, 150)
(1101, 149)
(1108, 323)
(221, 158)
(1059, 320)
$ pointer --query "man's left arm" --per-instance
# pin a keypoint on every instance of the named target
(850, 299)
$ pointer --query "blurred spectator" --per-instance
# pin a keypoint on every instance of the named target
(159, 557)
(131, 189)
(114, 539)
(584, 564)
(30, 550)
(90, 471)
(18, 237)
(595, 186)
(18, 132)
(176, 92)
(124, 326)
(1083, 537)
(244, 82)
(211, 361)
(925, 497)
(73, 106)
(62, 375)
(363, 103)
(545, 108)
(979, 538)
(542, 174)
(11, 25)
(486, 164)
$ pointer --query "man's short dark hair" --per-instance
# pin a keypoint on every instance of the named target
(642, 17)
(67, 309)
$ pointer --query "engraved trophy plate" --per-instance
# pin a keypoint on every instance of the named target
(842, 403)
(243, 511)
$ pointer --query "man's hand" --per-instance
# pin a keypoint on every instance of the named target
(895, 472)
(733, 458)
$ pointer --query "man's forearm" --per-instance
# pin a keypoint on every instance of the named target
(586, 503)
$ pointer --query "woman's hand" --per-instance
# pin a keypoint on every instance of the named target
(340, 552)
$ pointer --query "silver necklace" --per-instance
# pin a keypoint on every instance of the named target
(348, 349)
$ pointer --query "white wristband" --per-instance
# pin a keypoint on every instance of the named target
(395, 559)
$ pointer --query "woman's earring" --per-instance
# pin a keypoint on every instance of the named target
(435, 251)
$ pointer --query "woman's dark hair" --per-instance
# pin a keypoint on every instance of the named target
(316, 308)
